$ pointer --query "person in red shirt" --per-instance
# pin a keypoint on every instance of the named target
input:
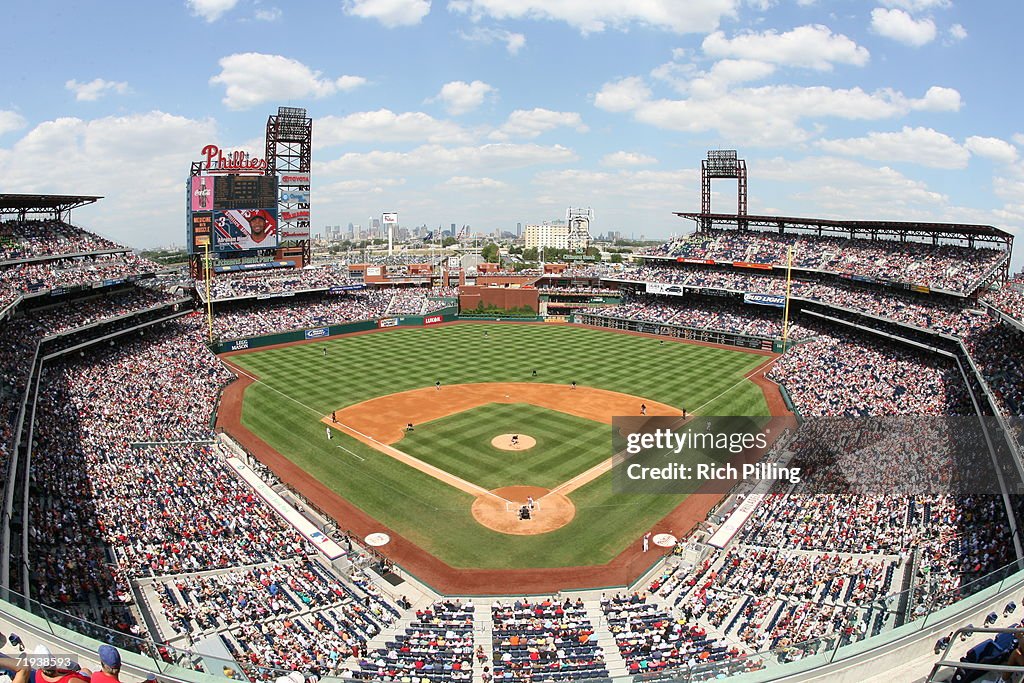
(110, 665)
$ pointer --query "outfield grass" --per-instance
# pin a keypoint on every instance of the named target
(299, 385)
(461, 444)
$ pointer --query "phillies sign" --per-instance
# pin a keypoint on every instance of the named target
(216, 161)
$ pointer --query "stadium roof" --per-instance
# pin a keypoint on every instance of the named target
(17, 203)
(963, 230)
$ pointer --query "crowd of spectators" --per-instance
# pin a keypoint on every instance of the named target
(705, 314)
(408, 302)
(249, 318)
(651, 641)
(34, 238)
(940, 266)
(255, 318)
(545, 640)
(1009, 298)
(36, 276)
(125, 490)
(291, 613)
(436, 646)
(20, 336)
(274, 282)
(837, 374)
(926, 313)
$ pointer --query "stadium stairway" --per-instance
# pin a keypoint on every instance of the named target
(483, 636)
(613, 661)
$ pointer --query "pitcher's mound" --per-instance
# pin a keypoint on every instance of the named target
(504, 442)
(551, 510)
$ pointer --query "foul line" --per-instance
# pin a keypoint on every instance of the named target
(763, 367)
(416, 463)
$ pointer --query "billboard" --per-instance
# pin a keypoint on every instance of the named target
(201, 192)
(776, 300)
(390, 219)
(662, 288)
(244, 229)
(202, 228)
(296, 196)
(294, 204)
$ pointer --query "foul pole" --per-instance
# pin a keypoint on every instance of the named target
(785, 313)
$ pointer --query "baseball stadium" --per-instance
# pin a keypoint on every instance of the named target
(267, 466)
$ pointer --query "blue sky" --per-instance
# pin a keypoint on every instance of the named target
(493, 112)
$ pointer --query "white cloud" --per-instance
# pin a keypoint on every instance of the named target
(623, 95)
(435, 159)
(95, 89)
(1018, 138)
(529, 123)
(390, 13)
(10, 121)
(474, 183)
(252, 78)
(210, 10)
(992, 148)
(459, 97)
(813, 47)
(594, 16)
(841, 188)
(923, 146)
(514, 42)
(901, 27)
(957, 32)
(767, 115)
(623, 159)
(269, 14)
(939, 99)
(917, 5)
(136, 161)
(385, 125)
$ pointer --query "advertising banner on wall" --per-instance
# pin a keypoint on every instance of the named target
(662, 288)
(776, 300)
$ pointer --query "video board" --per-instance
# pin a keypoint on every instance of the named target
(245, 229)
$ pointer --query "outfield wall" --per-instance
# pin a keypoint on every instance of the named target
(447, 315)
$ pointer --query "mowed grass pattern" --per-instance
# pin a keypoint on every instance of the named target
(299, 385)
(461, 444)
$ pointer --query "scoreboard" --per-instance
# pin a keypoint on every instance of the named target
(232, 214)
(244, 192)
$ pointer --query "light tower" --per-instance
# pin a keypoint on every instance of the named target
(722, 163)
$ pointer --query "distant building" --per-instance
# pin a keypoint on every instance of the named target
(556, 235)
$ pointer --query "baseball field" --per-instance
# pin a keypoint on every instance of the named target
(457, 477)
